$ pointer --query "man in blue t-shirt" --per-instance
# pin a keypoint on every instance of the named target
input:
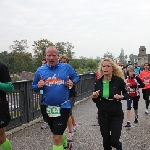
(55, 79)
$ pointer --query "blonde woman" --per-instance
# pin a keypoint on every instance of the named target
(108, 97)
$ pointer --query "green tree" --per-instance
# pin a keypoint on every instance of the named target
(39, 48)
(4, 57)
(98, 59)
(19, 59)
(65, 49)
(123, 59)
(91, 64)
(19, 46)
(21, 62)
(109, 55)
(82, 62)
(75, 63)
(133, 58)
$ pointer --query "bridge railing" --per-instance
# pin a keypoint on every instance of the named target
(24, 103)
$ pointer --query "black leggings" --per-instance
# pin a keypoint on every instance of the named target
(146, 94)
(110, 127)
(135, 102)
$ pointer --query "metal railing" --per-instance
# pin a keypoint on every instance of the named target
(24, 103)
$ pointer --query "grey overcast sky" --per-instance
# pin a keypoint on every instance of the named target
(92, 26)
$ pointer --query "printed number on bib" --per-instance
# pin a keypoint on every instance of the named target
(146, 81)
(132, 90)
(53, 111)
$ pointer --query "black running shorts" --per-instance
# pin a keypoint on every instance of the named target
(59, 124)
(4, 113)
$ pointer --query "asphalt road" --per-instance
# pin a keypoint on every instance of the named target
(88, 135)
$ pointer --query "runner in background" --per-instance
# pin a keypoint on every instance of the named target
(133, 84)
(43, 107)
(128, 64)
(97, 76)
(43, 62)
(137, 69)
(145, 77)
(72, 125)
(124, 70)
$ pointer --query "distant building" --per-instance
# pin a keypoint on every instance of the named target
(148, 58)
(121, 56)
(122, 52)
(142, 56)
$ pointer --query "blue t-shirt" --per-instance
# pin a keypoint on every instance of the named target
(55, 92)
(137, 71)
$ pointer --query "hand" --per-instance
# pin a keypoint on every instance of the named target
(118, 97)
(41, 83)
(69, 83)
(96, 94)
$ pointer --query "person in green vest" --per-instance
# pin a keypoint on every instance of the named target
(5, 87)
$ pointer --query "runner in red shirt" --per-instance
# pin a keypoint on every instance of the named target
(97, 75)
(133, 84)
(145, 77)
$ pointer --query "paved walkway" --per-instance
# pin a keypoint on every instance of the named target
(88, 135)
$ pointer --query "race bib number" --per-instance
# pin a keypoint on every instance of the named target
(146, 80)
(53, 111)
(132, 90)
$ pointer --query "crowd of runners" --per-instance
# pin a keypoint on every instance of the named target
(55, 79)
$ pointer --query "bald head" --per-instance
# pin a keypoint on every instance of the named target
(52, 56)
(52, 48)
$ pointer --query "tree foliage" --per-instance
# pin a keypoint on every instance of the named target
(98, 59)
(65, 49)
(83, 64)
(4, 57)
(133, 58)
(19, 46)
(21, 62)
(109, 55)
(19, 59)
(39, 48)
(123, 59)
